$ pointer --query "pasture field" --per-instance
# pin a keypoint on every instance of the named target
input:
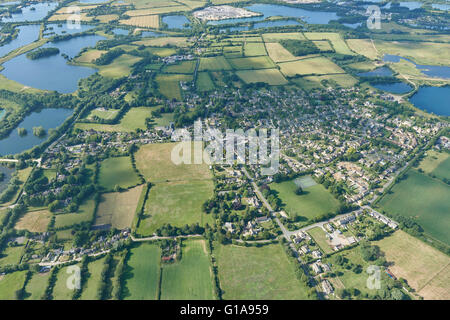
(323, 45)
(426, 269)
(106, 114)
(278, 53)
(10, 283)
(132, 120)
(85, 213)
(336, 40)
(204, 82)
(275, 37)
(66, 16)
(344, 80)
(431, 53)
(163, 41)
(117, 171)
(426, 207)
(437, 163)
(118, 208)
(321, 240)
(183, 67)
(120, 67)
(60, 290)
(214, 64)
(162, 52)
(270, 76)
(155, 164)
(252, 49)
(142, 21)
(90, 55)
(191, 278)
(363, 47)
(311, 66)
(34, 221)
(232, 51)
(90, 288)
(262, 62)
(142, 272)
(314, 202)
(257, 273)
(169, 85)
(11, 255)
(164, 120)
(36, 286)
(177, 203)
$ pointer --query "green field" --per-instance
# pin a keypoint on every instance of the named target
(103, 113)
(336, 40)
(85, 213)
(169, 85)
(142, 273)
(191, 278)
(117, 172)
(263, 62)
(182, 67)
(257, 273)
(321, 240)
(120, 67)
(90, 288)
(252, 49)
(214, 64)
(204, 82)
(423, 199)
(270, 76)
(36, 286)
(61, 291)
(10, 283)
(311, 66)
(314, 202)
(436, 163)
(11, 255)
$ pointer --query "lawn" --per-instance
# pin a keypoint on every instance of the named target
(191, 278)
(142, 273)
(422, 198)
(117, 172)
(36, 286)
(426, 269)
(314, 202)
(34, 221)
(311, 66)
(10, 283)
(272, 77)
(263, 62)
(257, 273)
(118, 208)
(214, 64)
(321, 240)
(90, 287)
(85, 213)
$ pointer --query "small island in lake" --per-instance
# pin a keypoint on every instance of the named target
(39, 131)
(42, 53)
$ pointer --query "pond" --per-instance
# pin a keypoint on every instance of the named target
(379, 72)
(429, 70)
(396, 87)
(8, 175)
(433, 99)
(440, 6)
(47, 118)
(62, 28)
(120, 31)
(26, 35)
(34, 12)
(176, 22)
(146, 34)
(52, 73)
(271, 10)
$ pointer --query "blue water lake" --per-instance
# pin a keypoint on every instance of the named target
(27, 34)
(33, 12)
(396, 87)
(53, 29)
(176, 22)
(120, 31)
(433, 99)
(432, 71)
(379, 72)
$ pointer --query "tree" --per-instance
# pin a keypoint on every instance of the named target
(299, 191)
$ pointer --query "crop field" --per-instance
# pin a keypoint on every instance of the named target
(344, 80)
(252, 49)
(85, 213)
(257, 273)
(311, 66)
(10, 283)
(204, 82)
(183, 67)
(169, 85)
(177, 203)
(36, 286)
(142, 273)
(191, 278)
(270, 76)
(314, 202)
(319, 237)
(278, 53)
(275, 37)
(426, 269)
(117, 172)
(437, 163)
(336, 40)
(163, 41)
(263, 62)
(90, 288)
(142, 21)
(60, 290)
(426, 207)
(118, 208)
(120, 67)
(363, 47)
(214, 64)
(323, 45)
(34, 221)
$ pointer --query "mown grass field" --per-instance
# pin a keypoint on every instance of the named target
(85, 213)
(169, 85)
(344, 80)
(117, 171)
(311, 66)
(314, 202)
(204, 82)
(90, 288)
(118, 208)
(106, 114)
(191, 278)
(262, 62)
(142, 273)
(10, 283)
(270, 76)
(36, 286)
(422, 198)
(437, 163)
(426, 269)
(34, 221)
(321, 240)
(214, 64)
(257, 273)
(61, 290)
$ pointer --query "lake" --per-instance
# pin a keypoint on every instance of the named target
(27, 34)
(441, 6)
(271, 10)
(176, 22)
(396, 87)
(429, 70)
(8, 174)
(47, 118)
(28, 14)
(62, 28)
(120, 31)
(433, 99)
(152, 34)
(411, 5)
(52, 73)
(379, 72)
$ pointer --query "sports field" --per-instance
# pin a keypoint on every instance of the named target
(257, 273)
(426, 269)
(34, 221)
(142, 273)
(117, 172)
(272, 77)
(118, 208)
(314, 202)
(311, 66)
(421, 198)
(191, 278)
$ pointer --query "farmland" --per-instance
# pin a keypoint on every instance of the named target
(84, 213)
(169, 85)
(117, 172)
(10, 283)
(35, 287)
(311, 66)
(34, 221)
(93, 280)
(270, 76)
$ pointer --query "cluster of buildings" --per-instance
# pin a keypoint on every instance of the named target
(216, 13)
